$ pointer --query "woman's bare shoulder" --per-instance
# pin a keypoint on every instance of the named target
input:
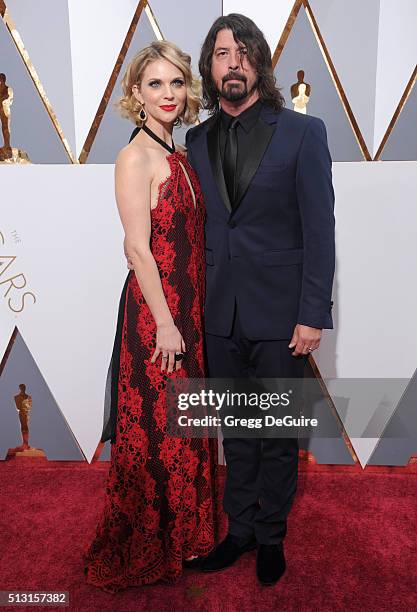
(134, 163)
(132, 155)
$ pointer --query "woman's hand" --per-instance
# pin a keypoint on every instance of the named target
(168, 342)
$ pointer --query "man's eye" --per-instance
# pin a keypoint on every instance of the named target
(243, 51)
(221, 53)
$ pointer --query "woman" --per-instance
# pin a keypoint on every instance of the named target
(161, 491)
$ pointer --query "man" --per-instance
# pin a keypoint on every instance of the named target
(266, 177)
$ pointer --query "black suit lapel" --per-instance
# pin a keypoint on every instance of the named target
(260, 137)
(215, 161)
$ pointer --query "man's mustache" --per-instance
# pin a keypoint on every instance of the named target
(234, 76)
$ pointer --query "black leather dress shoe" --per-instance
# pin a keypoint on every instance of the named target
(270, 563)
(226, 553)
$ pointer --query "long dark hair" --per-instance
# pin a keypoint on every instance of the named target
(259, 55)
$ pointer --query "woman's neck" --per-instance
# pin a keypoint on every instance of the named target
(163, 130)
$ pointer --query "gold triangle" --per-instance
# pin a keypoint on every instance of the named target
(329, 63)
(8, 350)
(286, 31)
(111, 83)
(10, 25)
(154, 23)
(407, 91)
(337, 82)
(333, 409)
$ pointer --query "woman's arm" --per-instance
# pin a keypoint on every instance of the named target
(133, 178)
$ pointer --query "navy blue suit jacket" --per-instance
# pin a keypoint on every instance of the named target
(274, 252)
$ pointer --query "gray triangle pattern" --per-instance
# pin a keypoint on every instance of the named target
(47, 426)
(301, 52)
(398, 441)
(402, 142)
(53, 68)
(31, 127)
(114, 131)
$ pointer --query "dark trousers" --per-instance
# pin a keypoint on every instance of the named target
(262, 474)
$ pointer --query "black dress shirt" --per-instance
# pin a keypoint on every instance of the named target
(247, 121)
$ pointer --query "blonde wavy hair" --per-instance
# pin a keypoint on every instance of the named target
(127, 104)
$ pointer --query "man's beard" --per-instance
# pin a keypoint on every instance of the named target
(234, 92)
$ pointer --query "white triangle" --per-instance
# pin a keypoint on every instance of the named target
(9, 296)
(397, 53)
(365, 406)
(75, 266)
(269, 15)
(364, 447)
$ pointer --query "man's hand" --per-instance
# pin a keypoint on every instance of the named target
(305, 339)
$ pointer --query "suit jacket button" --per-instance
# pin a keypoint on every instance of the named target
(232, 224)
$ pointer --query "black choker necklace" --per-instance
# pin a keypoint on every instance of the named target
(159, 140)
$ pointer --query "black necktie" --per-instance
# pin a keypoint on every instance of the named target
(230, 159)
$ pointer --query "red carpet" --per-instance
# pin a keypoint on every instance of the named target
(351, 544)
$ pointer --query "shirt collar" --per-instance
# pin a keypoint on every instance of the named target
(247, 118)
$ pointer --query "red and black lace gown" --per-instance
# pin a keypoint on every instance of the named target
(161, 499)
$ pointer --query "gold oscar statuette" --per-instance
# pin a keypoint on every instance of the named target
(8, 154)
(23, 403)
(300, 93)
